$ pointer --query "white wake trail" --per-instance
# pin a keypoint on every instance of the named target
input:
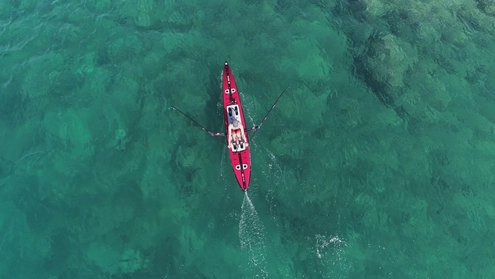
(252, 238)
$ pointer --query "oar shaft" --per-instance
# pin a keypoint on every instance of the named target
(213, 134)
(270, 110)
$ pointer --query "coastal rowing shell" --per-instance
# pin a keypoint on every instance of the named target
(240, 156)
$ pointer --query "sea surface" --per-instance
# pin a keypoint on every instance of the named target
(379, 161)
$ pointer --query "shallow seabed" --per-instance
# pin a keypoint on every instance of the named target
(378, 162)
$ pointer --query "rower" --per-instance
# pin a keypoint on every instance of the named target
(235, 134)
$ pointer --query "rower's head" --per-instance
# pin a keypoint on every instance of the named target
(234, 122)
(237, 123)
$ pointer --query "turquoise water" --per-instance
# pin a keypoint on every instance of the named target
(378, 162)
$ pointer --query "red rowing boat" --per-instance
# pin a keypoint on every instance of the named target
(236, 132)
(235, 129)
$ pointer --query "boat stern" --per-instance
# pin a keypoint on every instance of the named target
(243, 178)
(242, 168)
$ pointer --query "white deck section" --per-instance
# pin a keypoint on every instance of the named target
(239, 148)
(233, 114)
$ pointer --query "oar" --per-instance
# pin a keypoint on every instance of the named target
(213, 134)
(256, 127)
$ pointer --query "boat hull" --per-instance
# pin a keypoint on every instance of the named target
(241, 158)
